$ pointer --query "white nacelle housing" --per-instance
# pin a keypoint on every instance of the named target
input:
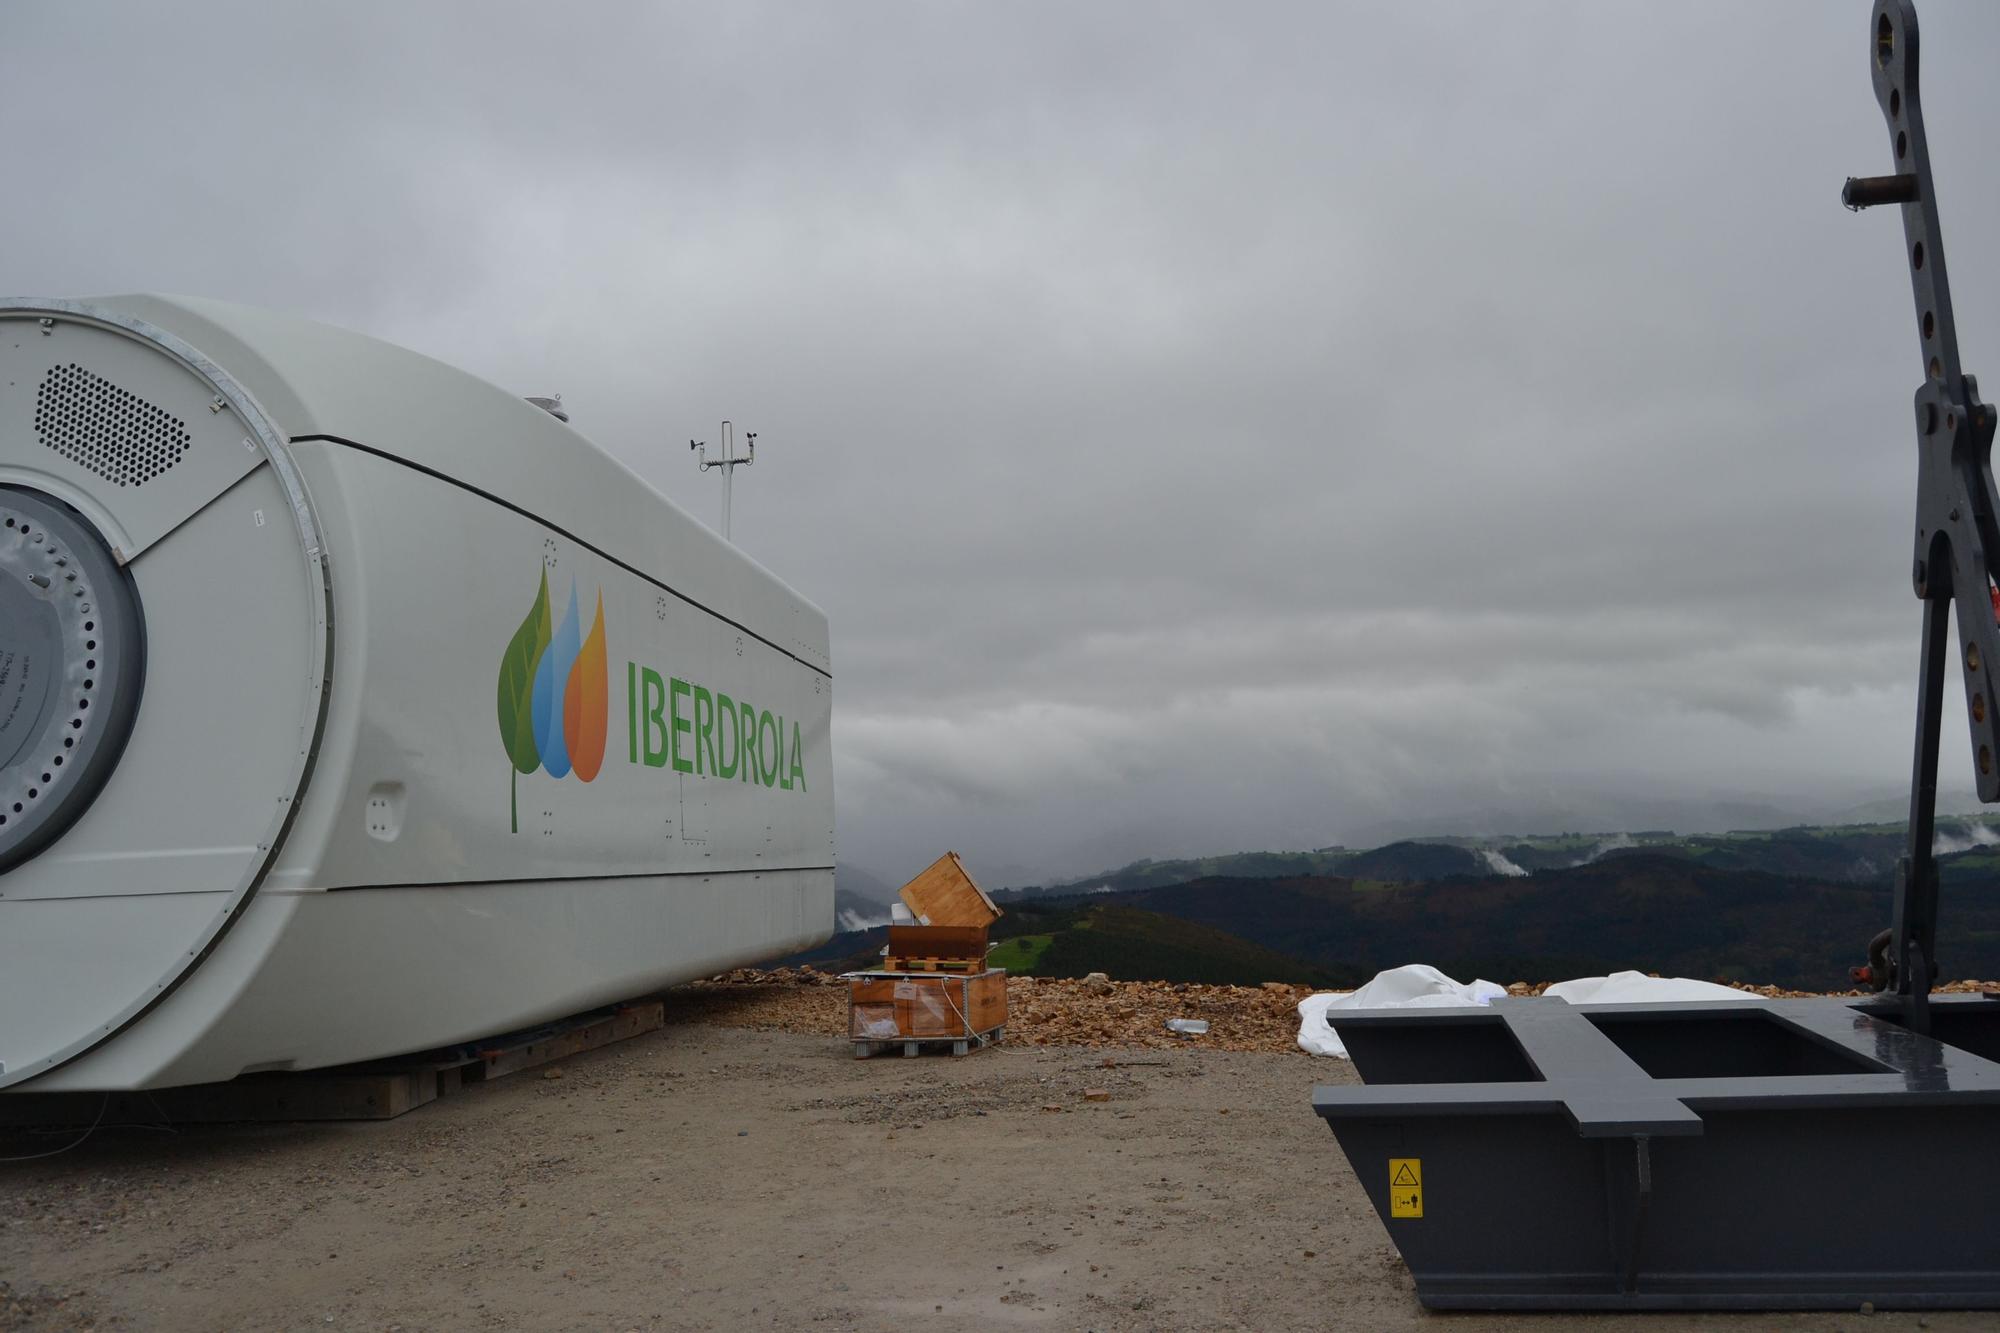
(350, 705)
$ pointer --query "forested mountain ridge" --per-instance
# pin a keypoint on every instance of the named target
(1789, 907)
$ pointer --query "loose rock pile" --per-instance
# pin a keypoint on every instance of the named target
(1049, 1011)
(1091, 1012)
(1041, 1011)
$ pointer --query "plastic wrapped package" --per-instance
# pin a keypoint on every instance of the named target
(874, 1022)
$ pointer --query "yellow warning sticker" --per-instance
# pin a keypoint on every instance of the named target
(1406, 1187)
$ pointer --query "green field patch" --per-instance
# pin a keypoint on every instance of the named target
(1020, 954)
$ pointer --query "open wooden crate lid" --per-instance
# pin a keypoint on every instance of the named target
(945, 895)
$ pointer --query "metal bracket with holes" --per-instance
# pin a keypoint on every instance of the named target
(1956, 507)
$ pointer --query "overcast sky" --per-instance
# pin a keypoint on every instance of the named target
(1207, 427)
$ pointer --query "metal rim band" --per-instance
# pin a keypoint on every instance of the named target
(319, 590)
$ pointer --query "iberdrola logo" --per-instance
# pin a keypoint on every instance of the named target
(554, 695)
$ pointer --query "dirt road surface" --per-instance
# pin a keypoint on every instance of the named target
(717, 1176)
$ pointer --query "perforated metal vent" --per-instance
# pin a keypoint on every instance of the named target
(116, 434)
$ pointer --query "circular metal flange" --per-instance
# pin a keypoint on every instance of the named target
(317, 609)
(72, 666)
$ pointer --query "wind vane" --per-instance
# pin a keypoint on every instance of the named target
(728, 463)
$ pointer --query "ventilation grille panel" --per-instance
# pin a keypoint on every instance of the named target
(94, 423)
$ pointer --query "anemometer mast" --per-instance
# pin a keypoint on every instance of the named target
(728, 463)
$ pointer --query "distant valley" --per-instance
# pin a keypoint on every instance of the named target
(1789, 907)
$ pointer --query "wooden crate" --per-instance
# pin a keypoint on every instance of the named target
(936, 949)
(898, 1007)
(946, 895)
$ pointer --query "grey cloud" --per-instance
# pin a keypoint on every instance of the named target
(1206, 428)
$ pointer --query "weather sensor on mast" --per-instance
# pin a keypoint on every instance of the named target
(728, 463)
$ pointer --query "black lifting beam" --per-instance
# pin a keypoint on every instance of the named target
(1719, 1155)
(1955, 517)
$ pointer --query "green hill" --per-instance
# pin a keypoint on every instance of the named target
(1667, 913)
(1155, 874)
(1792, 907)
(1073, 939)
(1134, 944)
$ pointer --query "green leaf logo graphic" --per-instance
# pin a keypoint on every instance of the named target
(517, 693)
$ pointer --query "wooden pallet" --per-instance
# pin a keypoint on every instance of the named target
(379, 1090)
(967, 966)
(912, 1046)
(559, 1041)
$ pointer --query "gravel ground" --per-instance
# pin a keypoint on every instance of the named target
(1098, 1015)
(739, 1169)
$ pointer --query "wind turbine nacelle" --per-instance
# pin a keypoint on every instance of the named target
(350, 705)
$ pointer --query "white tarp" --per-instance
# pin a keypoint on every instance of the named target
(1638, 988)
(1412, 986)
(1418, 986)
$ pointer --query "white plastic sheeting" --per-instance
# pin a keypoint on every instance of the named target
(1638, 988)
(1419, 986)
(1412, 986)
